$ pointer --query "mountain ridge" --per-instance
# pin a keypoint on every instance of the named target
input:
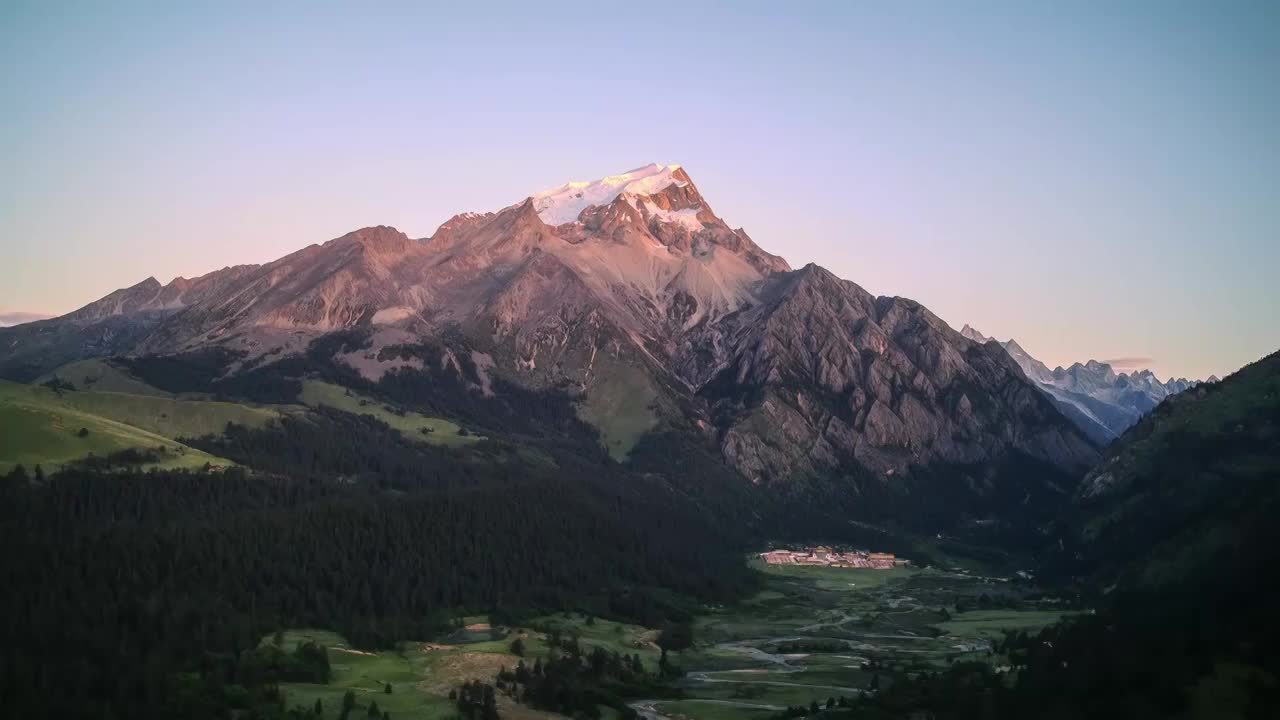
(646, 307)
(1102, 402)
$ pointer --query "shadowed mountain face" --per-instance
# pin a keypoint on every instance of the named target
(633, 296)
(1190, 490)
(1101, 402)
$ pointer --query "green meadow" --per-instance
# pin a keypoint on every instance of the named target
(40, 427)
(810, 633)
(414, 426)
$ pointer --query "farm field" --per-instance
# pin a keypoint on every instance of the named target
(992, 624)
(365, 674)
(815, 633)
(421, 675)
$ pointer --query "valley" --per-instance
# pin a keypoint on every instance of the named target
(388, 363)
(815, 633)
(809, 634)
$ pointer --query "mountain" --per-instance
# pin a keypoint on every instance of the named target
(631, 296)
(111, 325)
(1100, 401)
(1172, 545)
(1190, 488)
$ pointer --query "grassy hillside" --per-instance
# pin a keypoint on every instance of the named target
(100, 375)
(414, 426)
(1187, 487)
(170, 417)
(620, 405)
(39, 427)
(365, 674)
(421, 676)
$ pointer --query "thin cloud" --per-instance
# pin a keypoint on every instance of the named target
(1126, 364)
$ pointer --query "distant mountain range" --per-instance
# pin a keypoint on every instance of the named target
(1102, 402)
(633, 297)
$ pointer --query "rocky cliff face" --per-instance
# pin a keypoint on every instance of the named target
(631, 293)
(821, 373)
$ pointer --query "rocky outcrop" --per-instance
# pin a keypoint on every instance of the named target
(823, 373)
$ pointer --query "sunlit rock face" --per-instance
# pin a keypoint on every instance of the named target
(631, 293)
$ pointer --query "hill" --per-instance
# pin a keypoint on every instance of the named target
(43, 427)
(1190, 489)
(1172, 540)
(101, 375)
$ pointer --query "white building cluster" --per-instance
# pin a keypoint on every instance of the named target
(825, 556)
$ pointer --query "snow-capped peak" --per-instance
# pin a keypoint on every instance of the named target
(563, 204)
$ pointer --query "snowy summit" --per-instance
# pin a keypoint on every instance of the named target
(563, 204)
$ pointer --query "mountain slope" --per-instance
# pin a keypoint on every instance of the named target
(631, 296)
(822, 374)
(1175, 541)
(112, 325)
(1190, 488)
(42, 427)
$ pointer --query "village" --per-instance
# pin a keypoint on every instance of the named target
(825, 556)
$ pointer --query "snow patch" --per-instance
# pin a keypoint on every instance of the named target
(561, 205)
(687, 217)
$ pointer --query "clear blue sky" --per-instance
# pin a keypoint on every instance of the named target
(1098, 180)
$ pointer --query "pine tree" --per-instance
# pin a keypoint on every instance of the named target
(490, 711)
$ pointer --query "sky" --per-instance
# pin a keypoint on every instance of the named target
(1097, 180)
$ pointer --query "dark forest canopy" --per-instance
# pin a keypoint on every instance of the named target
(116, 580)
(159, 583)
(145, 594)
(1175, 539)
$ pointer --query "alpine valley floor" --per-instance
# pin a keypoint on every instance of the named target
(809, 635)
